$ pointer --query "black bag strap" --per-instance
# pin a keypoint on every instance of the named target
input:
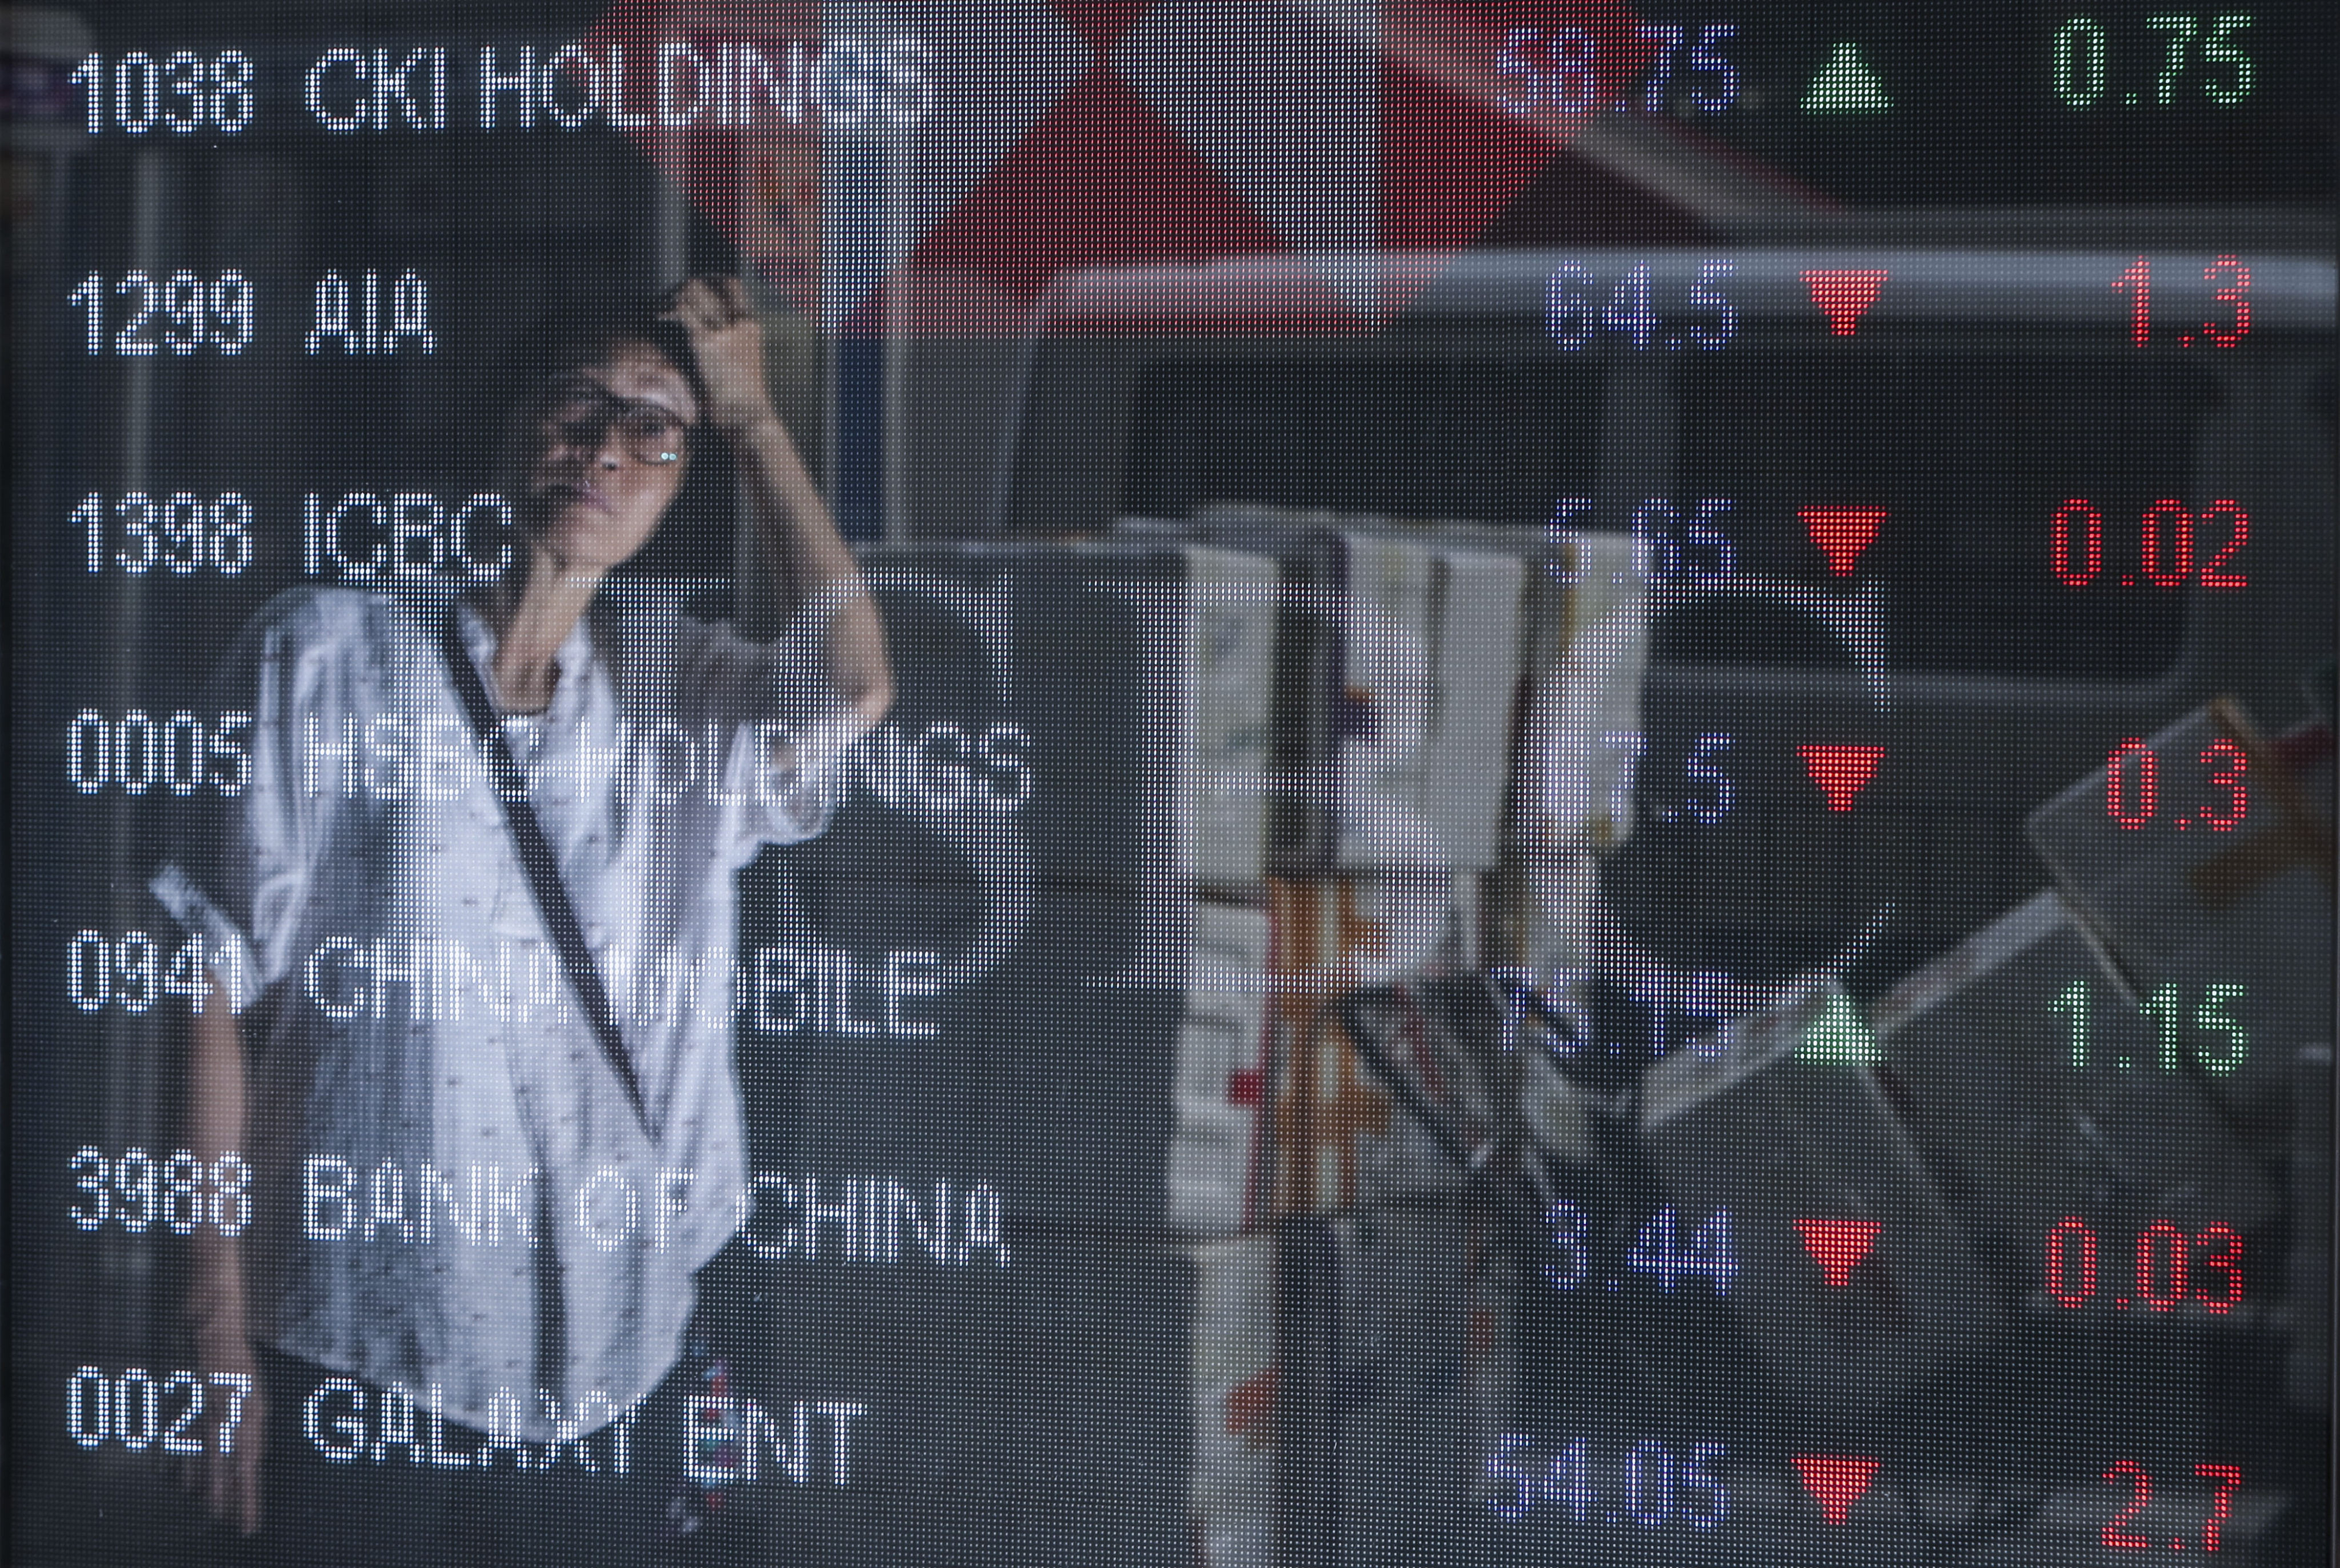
(537, 859)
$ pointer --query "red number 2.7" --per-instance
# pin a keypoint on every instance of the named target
(2225, 1477)
(2228, 1477)
(2142, 1483)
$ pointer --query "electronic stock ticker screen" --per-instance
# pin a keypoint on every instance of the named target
(1311, 784)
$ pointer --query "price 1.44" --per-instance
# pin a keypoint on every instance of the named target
(1665, 1250)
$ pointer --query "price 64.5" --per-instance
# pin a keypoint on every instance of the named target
(1640, 309)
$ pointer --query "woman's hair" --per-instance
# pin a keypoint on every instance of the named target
(570, 339)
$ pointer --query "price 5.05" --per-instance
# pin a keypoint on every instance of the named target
(1703, 797)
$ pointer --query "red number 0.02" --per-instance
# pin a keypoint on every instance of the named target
(2167, 534)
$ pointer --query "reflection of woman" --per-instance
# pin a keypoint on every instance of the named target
(462, 1212)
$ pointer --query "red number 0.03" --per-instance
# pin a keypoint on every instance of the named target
(2172, 1267)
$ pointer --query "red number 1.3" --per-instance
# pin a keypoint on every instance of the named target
(2234, 291)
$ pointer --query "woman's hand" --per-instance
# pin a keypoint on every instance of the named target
(728, 342)
(811, 566)
(228, 1483)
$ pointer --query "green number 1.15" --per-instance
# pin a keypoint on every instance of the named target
(2166, 1007)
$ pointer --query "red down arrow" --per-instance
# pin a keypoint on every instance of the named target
(1842, 772)
(1844, 296)
(1836, 1481)
(1842, 532)
(1838, 1246)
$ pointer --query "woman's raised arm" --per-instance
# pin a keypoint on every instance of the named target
(811, 564)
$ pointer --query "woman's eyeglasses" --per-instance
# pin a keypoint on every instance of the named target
(581, 409)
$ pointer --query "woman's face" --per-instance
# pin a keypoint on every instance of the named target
(597, 475)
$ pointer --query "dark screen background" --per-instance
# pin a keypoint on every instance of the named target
(1457, 1291)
